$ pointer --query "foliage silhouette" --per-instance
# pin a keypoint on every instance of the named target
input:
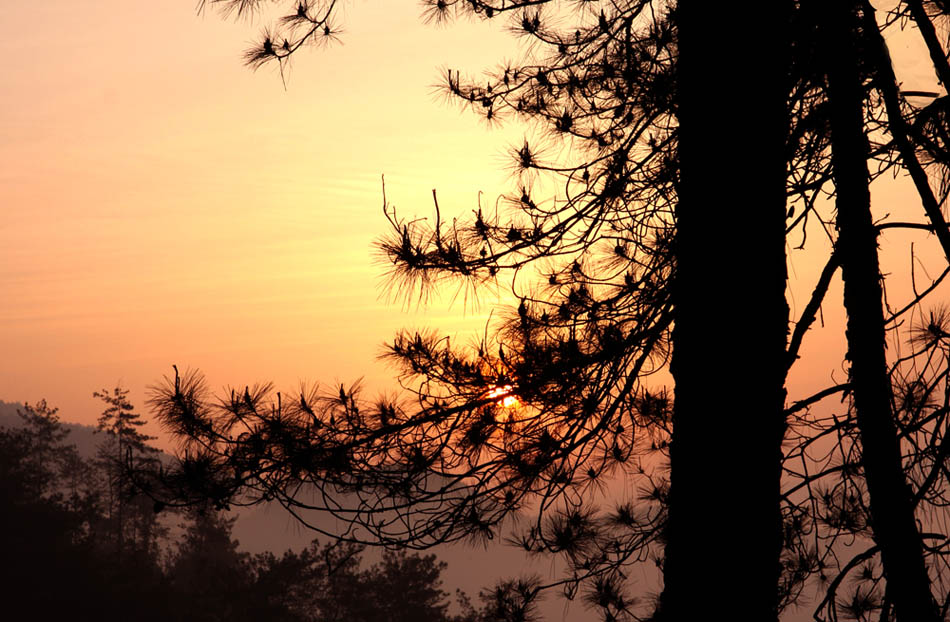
(61, 564)
(891, 509)
(594, 271)
(129, 515)
(57, 563)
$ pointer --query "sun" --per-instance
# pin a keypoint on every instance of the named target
(506, 399)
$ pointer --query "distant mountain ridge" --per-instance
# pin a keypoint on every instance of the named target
(84, 437)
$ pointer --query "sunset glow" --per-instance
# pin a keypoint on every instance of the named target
(167, 205)
(457, 276)
(506, 398)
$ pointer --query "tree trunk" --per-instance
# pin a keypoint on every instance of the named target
(892, 510)
(731, 317)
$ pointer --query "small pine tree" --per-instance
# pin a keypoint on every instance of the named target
(124, 450)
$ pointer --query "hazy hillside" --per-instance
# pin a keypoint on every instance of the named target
(264, 528)
(82, 436)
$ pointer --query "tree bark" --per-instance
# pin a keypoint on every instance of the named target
(731, 317)
(892, 510)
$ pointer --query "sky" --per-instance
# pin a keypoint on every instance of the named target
(161, 203)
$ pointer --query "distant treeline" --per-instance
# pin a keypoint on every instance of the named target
(80, 542)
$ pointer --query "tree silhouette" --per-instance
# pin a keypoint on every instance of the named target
(124, 449)
(892, 420)
(208, 575)
(715, 439)
(891, 508)
(399, 588)
(539, 416)
(57, 563)
(212, 580)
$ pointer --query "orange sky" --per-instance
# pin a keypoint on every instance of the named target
(162, 204)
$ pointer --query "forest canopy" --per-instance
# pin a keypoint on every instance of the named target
(103, 553)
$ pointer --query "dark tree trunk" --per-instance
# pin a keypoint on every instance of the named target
(731, 317)
(892, 510)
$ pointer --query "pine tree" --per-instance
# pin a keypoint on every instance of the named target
(555, 401)
(124, 450)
